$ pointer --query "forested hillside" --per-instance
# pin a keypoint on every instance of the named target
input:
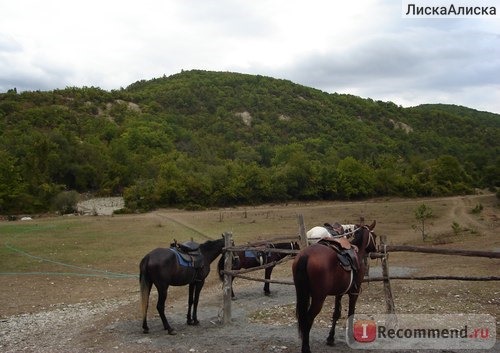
(201, 139)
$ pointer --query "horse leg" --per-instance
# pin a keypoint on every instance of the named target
(160, 306)
(267, 276)
(199, 286)
(352, 307)
(145, 291)
(190, 303)
(194, 297)
(314, 310)
(335, 317)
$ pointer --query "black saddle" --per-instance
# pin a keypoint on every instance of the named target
(347, 255)
(189, 246)
(189, 253)
(335, 229)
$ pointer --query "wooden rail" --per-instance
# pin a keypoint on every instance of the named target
(382, 254)
(427, 278)
(460, 252)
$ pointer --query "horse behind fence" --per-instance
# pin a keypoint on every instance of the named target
(244, 259)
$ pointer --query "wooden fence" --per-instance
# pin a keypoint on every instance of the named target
(383, 253)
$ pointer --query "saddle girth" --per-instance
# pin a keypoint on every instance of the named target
(259, 256)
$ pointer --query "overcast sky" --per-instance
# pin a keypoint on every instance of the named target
(365, 48)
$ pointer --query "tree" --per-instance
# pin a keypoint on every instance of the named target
(141, 196)
(12, 187)
(178, 140)
(422, 214)
(448, 176)
(355, 179)
(297, 172)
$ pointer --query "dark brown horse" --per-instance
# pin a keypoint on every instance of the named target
(251, 259)
(317, 273)
(161, 267)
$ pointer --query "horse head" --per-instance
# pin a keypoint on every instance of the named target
(365, 239)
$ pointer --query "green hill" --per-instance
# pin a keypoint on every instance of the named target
(205, 139)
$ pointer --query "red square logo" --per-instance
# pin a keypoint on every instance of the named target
(365, 330)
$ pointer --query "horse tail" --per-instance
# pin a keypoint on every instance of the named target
(145, 287)
(301, 281)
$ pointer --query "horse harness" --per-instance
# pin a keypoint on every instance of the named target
(346, 252)
(189, 255)
(261, 257)
(347, 255)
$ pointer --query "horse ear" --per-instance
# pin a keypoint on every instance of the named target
(374, 223)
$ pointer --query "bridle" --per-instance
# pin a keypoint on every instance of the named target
(350, 234)
(371, 240)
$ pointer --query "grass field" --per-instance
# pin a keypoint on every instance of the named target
(70, 283)
(91, 258)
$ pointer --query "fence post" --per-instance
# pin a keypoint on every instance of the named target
(302, 232)
(226, 289)
(389, 300)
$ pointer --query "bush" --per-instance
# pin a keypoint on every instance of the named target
(456, 228)
(66, 202)
(141, 196)
(477, 209)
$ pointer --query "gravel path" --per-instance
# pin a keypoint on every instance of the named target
(259, 324)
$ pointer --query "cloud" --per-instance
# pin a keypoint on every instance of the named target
(421, 62)
(363, 48)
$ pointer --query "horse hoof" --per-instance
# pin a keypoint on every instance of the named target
(330, 343)
(146, 330)
(172, 332)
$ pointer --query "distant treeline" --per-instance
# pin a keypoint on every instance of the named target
(202, 139)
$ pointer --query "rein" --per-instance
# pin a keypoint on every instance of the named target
(348, 234)
(351, 233)
(292, 246)
(371, 240)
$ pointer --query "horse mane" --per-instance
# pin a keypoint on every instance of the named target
(211, 244)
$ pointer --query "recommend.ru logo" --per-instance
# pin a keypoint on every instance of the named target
(421, 331)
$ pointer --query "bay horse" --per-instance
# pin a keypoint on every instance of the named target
(317, 273)
(161, 268)
(251, 259)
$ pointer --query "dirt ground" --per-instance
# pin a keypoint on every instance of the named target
(103, 314)
(259, 324)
